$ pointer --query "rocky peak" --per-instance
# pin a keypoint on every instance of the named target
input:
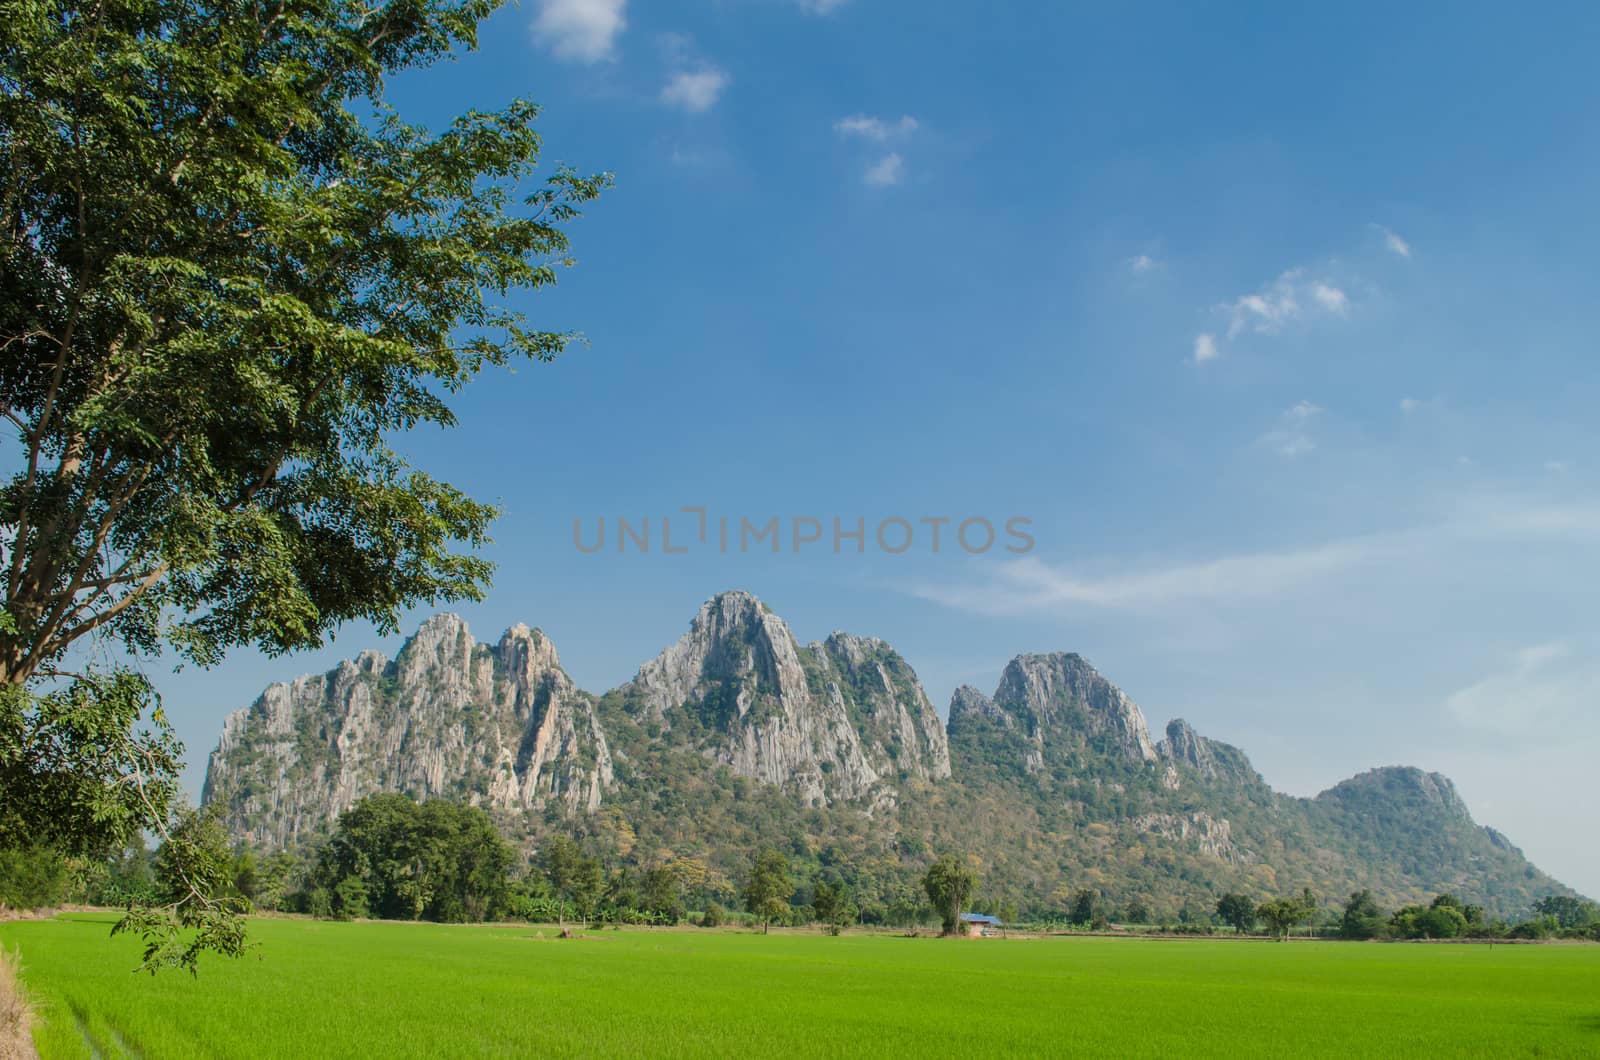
(1212, 759)
(733, 638)
(898, 724)
(842, 720)
(1400, 786)
(503, 727)
(1062, 691)
(968, 706)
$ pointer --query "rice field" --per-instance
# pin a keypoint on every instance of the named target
(316, 989)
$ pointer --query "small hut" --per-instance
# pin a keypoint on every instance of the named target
(982, 925)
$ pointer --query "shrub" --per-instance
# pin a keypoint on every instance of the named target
(32, 878)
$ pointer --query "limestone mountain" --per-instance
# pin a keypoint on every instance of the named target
(503, 726)
(736, 736)
(841, 721)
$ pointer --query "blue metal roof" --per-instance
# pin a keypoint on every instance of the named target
(979, 918)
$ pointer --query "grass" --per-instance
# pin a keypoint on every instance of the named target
(420, 990)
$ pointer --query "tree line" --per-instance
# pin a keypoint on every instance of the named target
(392, 857)
(1445, 917)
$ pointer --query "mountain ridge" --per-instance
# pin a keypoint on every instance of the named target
(736, 734)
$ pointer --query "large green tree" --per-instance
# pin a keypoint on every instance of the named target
(1237, 910)
(949, 884)
(769, 887)
(576, 878)
(396, 858)
(232, 282)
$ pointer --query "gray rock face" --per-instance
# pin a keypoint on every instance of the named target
(1210, 835)
(1213, 760)
(502, 727)
(845, 720)
(968, 706)
(1060, 697)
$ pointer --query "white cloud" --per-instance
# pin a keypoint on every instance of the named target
(1330, 298)
(1559, 467)
(1302, 410)
(1544, 684)
(886, 171)
(1293, 296)
(1143, 263)
(695, 91)
(870, 128)
(1030, 585)
(1205, 348)
(1409, 405)
(580, 30)
(1292, 436)
(1393, 241)
(1266, 311)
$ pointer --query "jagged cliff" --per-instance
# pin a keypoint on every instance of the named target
(841, 721)
(736, 734)
(502, 726)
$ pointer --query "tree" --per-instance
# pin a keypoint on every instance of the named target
(1282, 914)
(1083, 906)
(574, 877)
(950, 885)
(825, 899)
(1569, 912)
(663, 894)
(231, 279)
(769, 888)
(193, 873)
(1237, 910)
(1309, 903)
(1362, 919)
(394, 858)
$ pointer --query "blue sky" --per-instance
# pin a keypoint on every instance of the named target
(1277, 323)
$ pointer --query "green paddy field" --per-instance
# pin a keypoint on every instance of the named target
(318, 989)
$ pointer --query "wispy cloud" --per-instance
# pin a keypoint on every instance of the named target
(1032, 586)
(1330, 298)
(889, 168)
(886, 171)
(580, 30)
(1143, 263)
(1284, 300)
(1392, 240)
(1294, 296)
(1409, 405)
(1540, 685)
(871, 128)
(1291, 436)
(1205, 348)
(820, 7)
(696, 91)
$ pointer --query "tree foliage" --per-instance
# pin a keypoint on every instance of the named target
(398, 859)
(86, 766)
(232, 277)
(950, 884)
(1237, 911)
(195, 911)
(769, 887)
(231, 280)
(576, 878)
(1362, 919)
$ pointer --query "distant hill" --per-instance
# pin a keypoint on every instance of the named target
(736, 736)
